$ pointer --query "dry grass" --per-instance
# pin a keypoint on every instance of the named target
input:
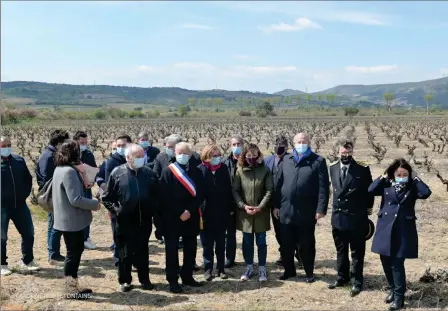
(43, 290)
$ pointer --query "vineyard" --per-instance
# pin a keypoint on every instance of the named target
(422, 141)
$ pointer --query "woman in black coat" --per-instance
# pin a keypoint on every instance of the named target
(396, 232)
(216, 208)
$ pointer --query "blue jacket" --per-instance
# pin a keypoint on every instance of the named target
(114, 161)
(396, 230)
(276, 171)
(88, 158)
(100, 177)
(16, 182)
(45, 166)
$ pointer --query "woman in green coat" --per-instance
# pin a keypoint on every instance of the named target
(252, 190)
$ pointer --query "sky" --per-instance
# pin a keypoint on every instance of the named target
(262, 46)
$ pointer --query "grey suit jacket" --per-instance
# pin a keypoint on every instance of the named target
(72, 210)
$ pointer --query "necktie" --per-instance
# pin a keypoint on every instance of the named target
(344, 174)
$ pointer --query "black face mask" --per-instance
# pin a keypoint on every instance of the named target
(346, 159)
(279, 150)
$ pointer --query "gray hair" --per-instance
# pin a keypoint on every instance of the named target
(183, 144)
(143, 135)
(345, 142)
(173, 139)
(302, 134)
(132, 149)
(237, 137)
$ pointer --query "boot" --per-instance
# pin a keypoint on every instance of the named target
(72, 290)
(398, 304)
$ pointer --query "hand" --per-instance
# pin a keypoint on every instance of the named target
(256, 209)
(249, 210)
(98, 207)
(277, 213)
(185, 215)
(319, 216)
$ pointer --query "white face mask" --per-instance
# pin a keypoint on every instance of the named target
(301, 148)
(182, 159)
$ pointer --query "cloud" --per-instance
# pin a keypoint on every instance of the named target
(145, 68)
(197, 26)
(267, 69)
(358, 18)
(371, 69)
(241, 57)
(298, 25)
(194, 66)
(444, 72)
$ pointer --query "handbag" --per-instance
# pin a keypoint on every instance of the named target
(45, 196)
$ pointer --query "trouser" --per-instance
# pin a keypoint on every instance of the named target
(304, 236)
(158, 226)
(53, 239)
(172, 256)
(214, 239)
(87, 229)
(231, 238)
(132, 246)
(278, 236)
(21, 217)
(248, 248)
(395, 274)
(343, 240)
(113, 224)
(74, 243)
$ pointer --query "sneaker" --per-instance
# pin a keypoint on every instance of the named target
(89, 244)
(56, 260)
(248, 273)
(262, 274)
(223, 276)
(29, 267)
(5, 271)
(125, 287)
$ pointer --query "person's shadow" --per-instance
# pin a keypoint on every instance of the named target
(138, 297)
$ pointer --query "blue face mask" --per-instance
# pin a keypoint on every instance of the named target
(121, 151)
(169, 152)
(83, 147)
(215, 161)
(401, 180)
(139, 162)
(144, 144)
(6, 152)
(301, 148)
(182, 159)
(237, 150)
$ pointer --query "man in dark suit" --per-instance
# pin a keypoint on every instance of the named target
(302, 199)
(274, 162)
(352, 203)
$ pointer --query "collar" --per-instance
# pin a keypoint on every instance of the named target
(342, 165)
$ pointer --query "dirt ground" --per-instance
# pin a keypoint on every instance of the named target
(42, 290)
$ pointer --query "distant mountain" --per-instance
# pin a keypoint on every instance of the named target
(289, 92)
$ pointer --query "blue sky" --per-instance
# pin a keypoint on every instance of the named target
(258, 46)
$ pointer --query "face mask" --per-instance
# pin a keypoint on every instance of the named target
(237, 150)
(251, 161)
(401, 180)
(6, 152)
(144, 144)
(139, 162)
(169, 152)
(215, 161)
(182, 159)
(83, 147)
(346, 159)
(301, 148)
(279, 150)
(121, 151)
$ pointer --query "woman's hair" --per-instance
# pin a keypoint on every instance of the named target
(68, 153)
(398, 163)
(207, 152)
(253, 149)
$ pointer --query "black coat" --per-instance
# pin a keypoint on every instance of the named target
(45, 166)
(352, 201)
(275, 170)
(16, 182)
(175, 199)
(232, 165)
(88, 158)
(132, 196)
(163, 160)
(303, 190)
(218, 197)
(396, 230)
(151, 154)
(114, 161)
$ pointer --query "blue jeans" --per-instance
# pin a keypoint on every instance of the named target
(113, 224)
(21, 217)
(248, 248)
(53, 239)
(213, 240)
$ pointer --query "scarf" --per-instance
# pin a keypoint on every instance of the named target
(399, 187)
(212, 168)
(298, 158)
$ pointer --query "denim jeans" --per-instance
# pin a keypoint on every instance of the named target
(21, 217)
(113, 224)
(248, 248)
(53, 239)
(87, 229)
(213, 240)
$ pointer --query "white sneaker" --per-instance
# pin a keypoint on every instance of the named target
(262, 274)
(29, 267)
(5, 270)
(89, 244)
(248, 273)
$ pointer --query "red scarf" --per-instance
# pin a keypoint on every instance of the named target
(212, 168)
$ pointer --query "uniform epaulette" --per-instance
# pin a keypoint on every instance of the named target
(362, 163)
(334, 163)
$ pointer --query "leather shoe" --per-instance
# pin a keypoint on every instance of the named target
(148, 286)
(175, 288)
(192, 283)
(389, 298)
(196, 268)
(398, 304)
(286, 276)
(310, 280)
(229, 264)
(355, 291)
(338, 283)
(279, 262)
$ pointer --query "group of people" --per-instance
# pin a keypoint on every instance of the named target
(185, 194)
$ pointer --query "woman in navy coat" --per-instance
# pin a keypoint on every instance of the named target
(396, 232)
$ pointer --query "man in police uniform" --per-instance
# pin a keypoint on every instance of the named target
(351, 206)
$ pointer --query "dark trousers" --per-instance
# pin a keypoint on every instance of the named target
(395, 274)
(353, 240)
(53, 239)
(132, 246)
(213, 240)
(278, 236)
(249, 249)
(74, 243)
(113, 224)
(231, 238)
(293, 235)
(87, 229)
(21, 217)
(172, 257)
(158, 227)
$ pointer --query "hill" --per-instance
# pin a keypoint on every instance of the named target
(289, 92)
